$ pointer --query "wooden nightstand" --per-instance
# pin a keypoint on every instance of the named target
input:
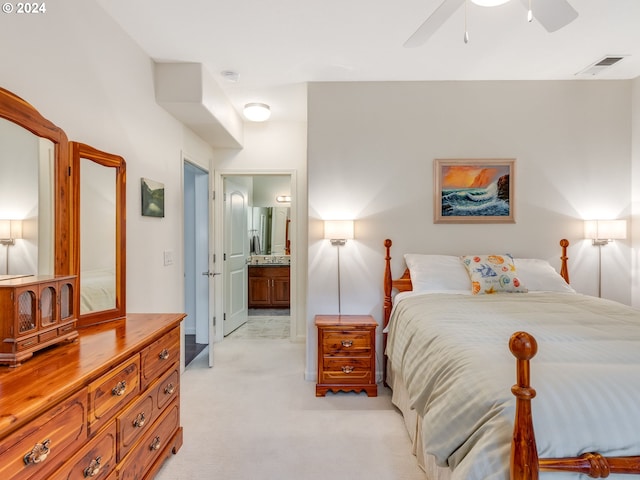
(346, 354)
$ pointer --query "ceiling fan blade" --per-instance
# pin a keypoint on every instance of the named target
(552, 14)
(433, 23)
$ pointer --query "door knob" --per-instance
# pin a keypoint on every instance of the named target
(210, 274)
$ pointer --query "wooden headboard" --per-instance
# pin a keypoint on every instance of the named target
(403, 284)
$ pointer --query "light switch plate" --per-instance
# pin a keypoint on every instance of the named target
(168, 257)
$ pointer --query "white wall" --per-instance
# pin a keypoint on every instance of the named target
(370, 158)
(78, 68)
(635, 180)
(275, 147)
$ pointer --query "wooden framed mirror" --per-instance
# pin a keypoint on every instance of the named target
(100, 223)
(36, 189)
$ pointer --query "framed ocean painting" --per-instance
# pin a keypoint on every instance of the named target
(474, 190)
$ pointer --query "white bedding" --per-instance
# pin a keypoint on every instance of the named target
(452, 353)
(97, 290)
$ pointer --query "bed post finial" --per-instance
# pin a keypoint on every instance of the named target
(524, 452)
(386, 313)
(564, 270)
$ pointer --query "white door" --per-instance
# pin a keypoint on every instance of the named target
(236, 251)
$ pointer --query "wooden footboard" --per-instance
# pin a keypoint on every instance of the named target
(525, 463)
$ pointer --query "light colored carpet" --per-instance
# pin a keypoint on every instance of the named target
(263, 326)
(254, 417)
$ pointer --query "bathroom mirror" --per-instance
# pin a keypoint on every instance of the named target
(269, 231)
(101, 231)
(35, 190)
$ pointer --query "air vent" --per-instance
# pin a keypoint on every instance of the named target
(600, 66)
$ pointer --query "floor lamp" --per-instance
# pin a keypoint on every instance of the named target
(601, 232)
(10, 230)
(338, 231)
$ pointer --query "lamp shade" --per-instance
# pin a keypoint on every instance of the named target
(257, 112)
(10, 229)
(605, 229)
(338, 229)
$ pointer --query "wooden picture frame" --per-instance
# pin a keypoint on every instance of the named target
(474, 190)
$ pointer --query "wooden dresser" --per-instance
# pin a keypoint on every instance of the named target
(106, 406)
(346, 354)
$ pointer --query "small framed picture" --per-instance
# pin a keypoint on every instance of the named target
(152, 198)
(474, 190)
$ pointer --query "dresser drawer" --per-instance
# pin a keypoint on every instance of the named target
(159, 356)
(168, 388)
(151, 445)
(346, 370)
(356, 342)
(139, 416)
(41, 446)
(112, 392)
(96, 460)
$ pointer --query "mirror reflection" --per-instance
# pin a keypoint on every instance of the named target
(98, 237)
(269, 230)
(27, 166)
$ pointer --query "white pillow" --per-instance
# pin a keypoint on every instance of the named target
(437, 273)
(539, 275)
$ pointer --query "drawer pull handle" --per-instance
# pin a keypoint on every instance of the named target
(155, 445)
(169, 389)
(119, 389)
(139, 421)
(164, 354)
(347, 343)
(93, 469)
(347, 369)
(38, 453)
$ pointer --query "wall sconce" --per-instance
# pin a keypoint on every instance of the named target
(601, 232)
(10, 231)
(338, 232)
(257, 112)
(283, 199)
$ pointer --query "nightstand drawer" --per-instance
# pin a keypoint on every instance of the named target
(346, 370)
(358, 342)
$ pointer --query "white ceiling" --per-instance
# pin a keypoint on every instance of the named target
(276, 46)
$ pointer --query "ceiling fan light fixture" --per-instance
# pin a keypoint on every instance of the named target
(489, 3)
(257, 112)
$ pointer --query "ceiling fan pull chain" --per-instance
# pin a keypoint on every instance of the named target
(466, 31)
(530, 13)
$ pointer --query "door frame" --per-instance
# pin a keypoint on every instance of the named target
(193, 161)
(218, 242)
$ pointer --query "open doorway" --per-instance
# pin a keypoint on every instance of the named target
(196, 260)
(267, 288)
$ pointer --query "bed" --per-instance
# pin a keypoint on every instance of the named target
(451, 372)
(97, 290)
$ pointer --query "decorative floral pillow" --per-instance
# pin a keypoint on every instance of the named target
(492, 274)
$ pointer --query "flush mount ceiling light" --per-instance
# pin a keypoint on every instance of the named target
(257, 112)
(489, 3)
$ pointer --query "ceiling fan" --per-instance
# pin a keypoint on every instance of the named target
(552, 15)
